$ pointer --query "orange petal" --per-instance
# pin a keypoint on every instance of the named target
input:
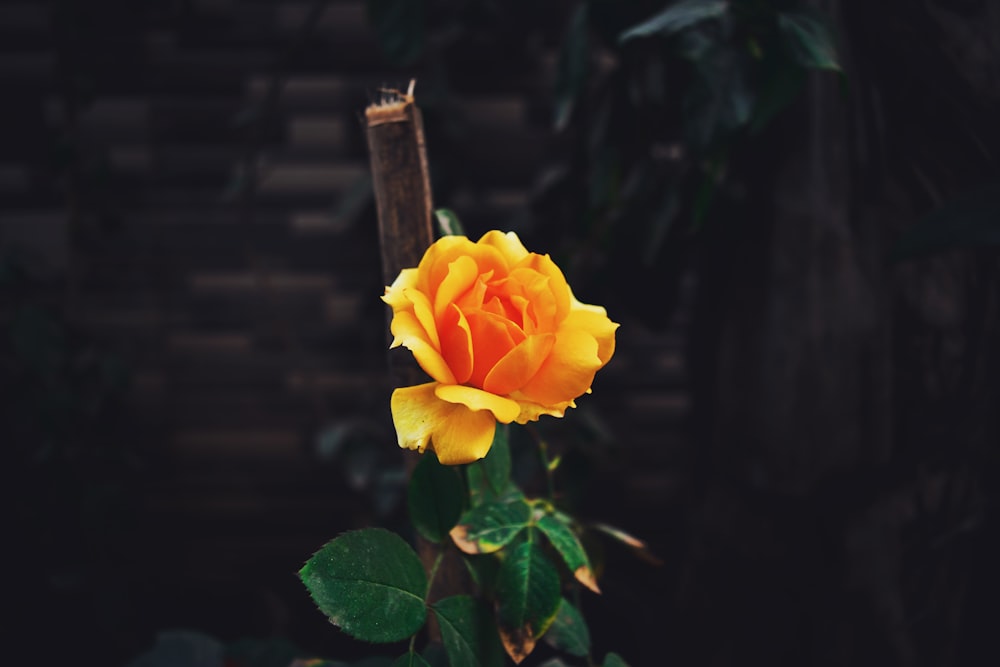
(461, 276)
(557, 284)
(393, 296)
(503, 409)
(456, 343)
(425, 315)
(530, 411)
(594, 321)
(567, 372)
(519, 365)
(493, 336)
(508, 244)
(455, 433)
(408, 332)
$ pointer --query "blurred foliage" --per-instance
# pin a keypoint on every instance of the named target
(650, 103)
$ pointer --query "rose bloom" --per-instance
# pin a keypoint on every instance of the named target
(502, 336)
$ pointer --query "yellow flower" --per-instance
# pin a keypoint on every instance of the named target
(502, 336)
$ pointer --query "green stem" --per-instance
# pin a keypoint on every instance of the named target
(543, 453)
(433, 573)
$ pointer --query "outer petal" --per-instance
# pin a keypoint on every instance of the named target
(408, 332)
(594, 321)
(568, 372)
(393, 296)
(455, 433)
(519, 365)
(508, 244)
(503, 409)
(422, 309)
(532, 411)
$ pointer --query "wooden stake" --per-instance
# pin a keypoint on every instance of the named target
(402, 187)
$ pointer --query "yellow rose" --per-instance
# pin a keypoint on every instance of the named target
(502, 336)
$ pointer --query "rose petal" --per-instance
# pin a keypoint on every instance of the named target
(531, 411)
(394, 293)
(556, 286)
(493, 336)
(455, 433)
(519, 365)
(408, 332)
(456, 343)
(594, 321)
(462, 274)
(508, 244)
(503, 409)
(567, 372)
(425, 315)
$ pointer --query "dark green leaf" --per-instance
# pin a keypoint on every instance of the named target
(782, 82)
(435, 655)
(970, 220)
(528, 598)
(410, 660)
(571, 74)
(448, 223)
(614, 660)
(435, 497)
(399, 25)
(568, 545)
(468, 633)
(370, 583)
(676, 17)
(568, 631)
(487, 528)
(810, 40)
(489, 478)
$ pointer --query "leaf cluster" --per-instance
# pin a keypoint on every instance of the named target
(524, 556)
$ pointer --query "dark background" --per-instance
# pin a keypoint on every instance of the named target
(194, 380)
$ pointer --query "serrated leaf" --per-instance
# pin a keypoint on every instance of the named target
(489, 478)
(528, 598)
(810, 40)
(568, 545)
(568, 631)
(435, 498)
(448, 223)
(488, 527)
(571, 71)
(972, 219)
(676, 17)
(410, 660)
(614, 660)
(468, 633)
(370, 583)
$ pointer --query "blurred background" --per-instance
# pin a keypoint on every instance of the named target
(791, 207)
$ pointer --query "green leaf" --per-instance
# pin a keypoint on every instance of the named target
(972, 219)
(568, 545)
(614, 660)
(489, 478)
(528, 598)
(435, 497)
(676, 18)
(568, 631)
(448, 223)
(370, 583)
(410, 660)
(399, 25)
(468, 633)
(571, 72)
(488, 527)
(810, 40)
